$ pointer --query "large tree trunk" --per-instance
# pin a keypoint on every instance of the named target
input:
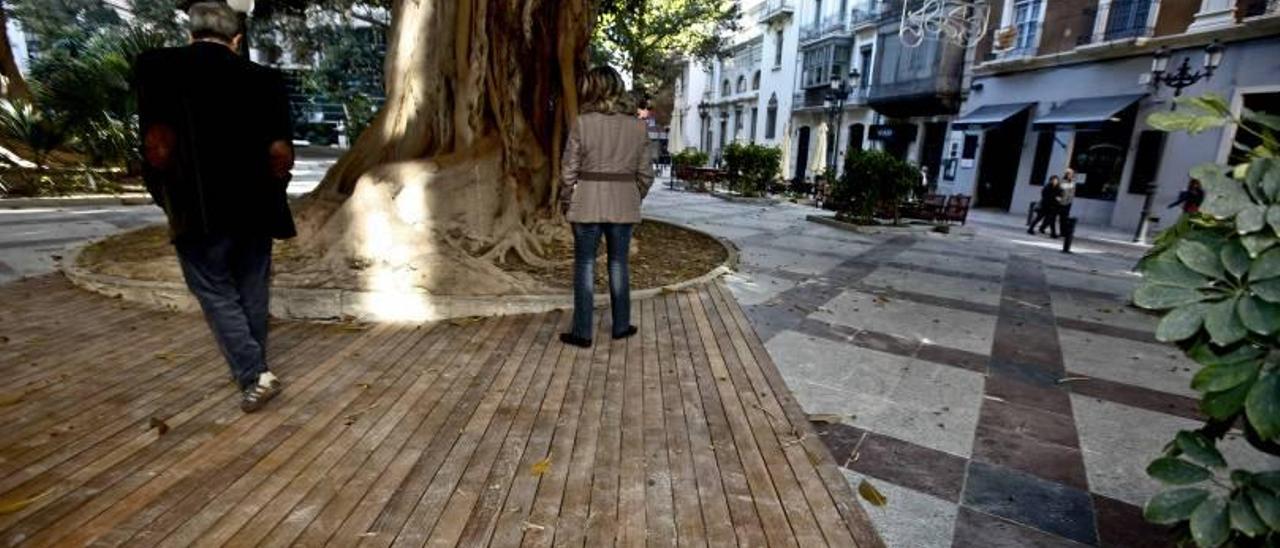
(457, 172)
(12, 84)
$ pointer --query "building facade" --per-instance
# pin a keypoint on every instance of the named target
(1069, 84)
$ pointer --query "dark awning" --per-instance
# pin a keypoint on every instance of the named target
(987, 116)
(1087, 113)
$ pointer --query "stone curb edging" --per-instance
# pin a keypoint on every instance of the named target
(752, 200)
(76, 201)
(831, 221)
(328, 304)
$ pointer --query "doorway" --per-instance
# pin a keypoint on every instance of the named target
(999, 161)
(802, 154)
(935, 138)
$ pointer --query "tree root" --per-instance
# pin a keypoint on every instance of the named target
(527, 243)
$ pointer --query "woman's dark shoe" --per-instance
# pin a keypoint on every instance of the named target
(631, 330)
(570, 338)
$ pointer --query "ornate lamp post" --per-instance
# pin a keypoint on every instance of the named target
(244, 8)
(704, 111)
(834, 105)
(1183, 77)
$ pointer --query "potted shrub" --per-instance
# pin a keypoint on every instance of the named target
(750, 168)
(872, 181)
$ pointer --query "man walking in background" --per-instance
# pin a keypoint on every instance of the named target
(217, 150)
(1066, 195)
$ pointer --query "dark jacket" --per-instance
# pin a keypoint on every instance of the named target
(208, 120)
(1049, 196)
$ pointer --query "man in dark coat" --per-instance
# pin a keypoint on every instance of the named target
(217, 148)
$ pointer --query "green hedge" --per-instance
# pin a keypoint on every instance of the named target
(751, 167)
(872, 180)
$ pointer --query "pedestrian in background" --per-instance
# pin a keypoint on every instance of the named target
(217, 144)
(1191, 198)
(1047, 208)
(1066, 195)
(608, 169)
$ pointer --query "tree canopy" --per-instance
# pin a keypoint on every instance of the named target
(649, 38)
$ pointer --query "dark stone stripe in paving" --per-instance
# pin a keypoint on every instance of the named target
(899, 462)
(1122, 524)
(787, 309)
(893, 344)
(1025, 499)
(1136, 396)
(1108, 296)
(45, 242)
(925, 298)
(1027, 465)
(1107, 330)
(948, 272)
(975, 529)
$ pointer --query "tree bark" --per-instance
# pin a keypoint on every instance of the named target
(458, 170)
(12, 84)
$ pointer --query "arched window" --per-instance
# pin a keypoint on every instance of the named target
(771, 117)
(742, 84)
(755, 81)
(725, 90)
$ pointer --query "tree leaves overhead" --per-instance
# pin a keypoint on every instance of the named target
(649, 38)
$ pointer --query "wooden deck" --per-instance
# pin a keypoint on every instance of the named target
(121, 428)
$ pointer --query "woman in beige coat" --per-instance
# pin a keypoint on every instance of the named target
(607, 172)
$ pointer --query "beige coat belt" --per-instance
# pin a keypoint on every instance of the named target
(602, 176)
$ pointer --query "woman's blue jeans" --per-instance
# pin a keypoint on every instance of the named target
(586, 236)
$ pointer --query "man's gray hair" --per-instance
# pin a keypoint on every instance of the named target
(214, 20)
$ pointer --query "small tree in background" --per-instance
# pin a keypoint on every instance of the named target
(690, 157)
(1217, 273)
(873, 181)
(751, 167)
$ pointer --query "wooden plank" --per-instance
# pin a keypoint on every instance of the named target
(402, 480)
(564, 499)
(90, 482)
(319, 515)
(660, 514)
(224, 488)
(854, 516)
(762, 434)
(819, 499)
(602, 517)
(460, 479)
(632, 488)
(748, 523)
(530, 514)
(710, 489)
(92, 519)
(489, 474)
(681, 483)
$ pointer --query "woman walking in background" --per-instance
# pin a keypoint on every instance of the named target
(607, 170)
(1047, 209)
(1191, 198)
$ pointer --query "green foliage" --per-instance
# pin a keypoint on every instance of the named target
(651, 37)
(873, 180)
(751, 167)
(1217, 276)
(41, 133)
(690, 157)
(349, 71)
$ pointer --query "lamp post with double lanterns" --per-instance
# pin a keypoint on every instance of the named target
(834, 102)
(704, 111)
(244, 8)
(1183, 77)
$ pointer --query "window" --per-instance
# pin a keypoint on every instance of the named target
(856, 132)
(771, 118)
(865, 69)
(1146, 161)
(1044, 150)
(725, 90)
(755, 117)
(755, 81)
(777, 49)
(737, 123)
(1100, 157)
(1127, 18)
(1026, 19)
(742, 84)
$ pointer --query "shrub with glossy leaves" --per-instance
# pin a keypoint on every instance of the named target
(690, 157)
(751, 167)
(1217, 274)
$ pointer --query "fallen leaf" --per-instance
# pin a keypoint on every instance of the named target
(827, 418)
(526, 526)
(15, 506)
(871, 494)
(11, 399)
(161, 427)
(541, 467)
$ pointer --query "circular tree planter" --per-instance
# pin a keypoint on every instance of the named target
(360, 304)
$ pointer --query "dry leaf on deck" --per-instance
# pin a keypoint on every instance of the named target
(161, 427)
(14, 506)
(828, 418)
(871, 494)
(541, 467)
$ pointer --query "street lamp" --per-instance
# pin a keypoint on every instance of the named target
(833, 102)
(1183, 77)
(244, 8)
(703, 112)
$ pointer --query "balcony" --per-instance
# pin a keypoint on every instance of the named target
(867, 14)
(813, 100)
(1125, 19)
(1257, 8)
(776, 10)
(833, 25)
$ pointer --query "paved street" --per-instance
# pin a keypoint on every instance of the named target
(997, 391)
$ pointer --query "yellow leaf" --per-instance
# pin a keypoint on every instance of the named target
(873, 495)
(15, 506)
(541, 467)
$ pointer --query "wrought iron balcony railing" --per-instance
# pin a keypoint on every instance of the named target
(829, 26)
(774, 10)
